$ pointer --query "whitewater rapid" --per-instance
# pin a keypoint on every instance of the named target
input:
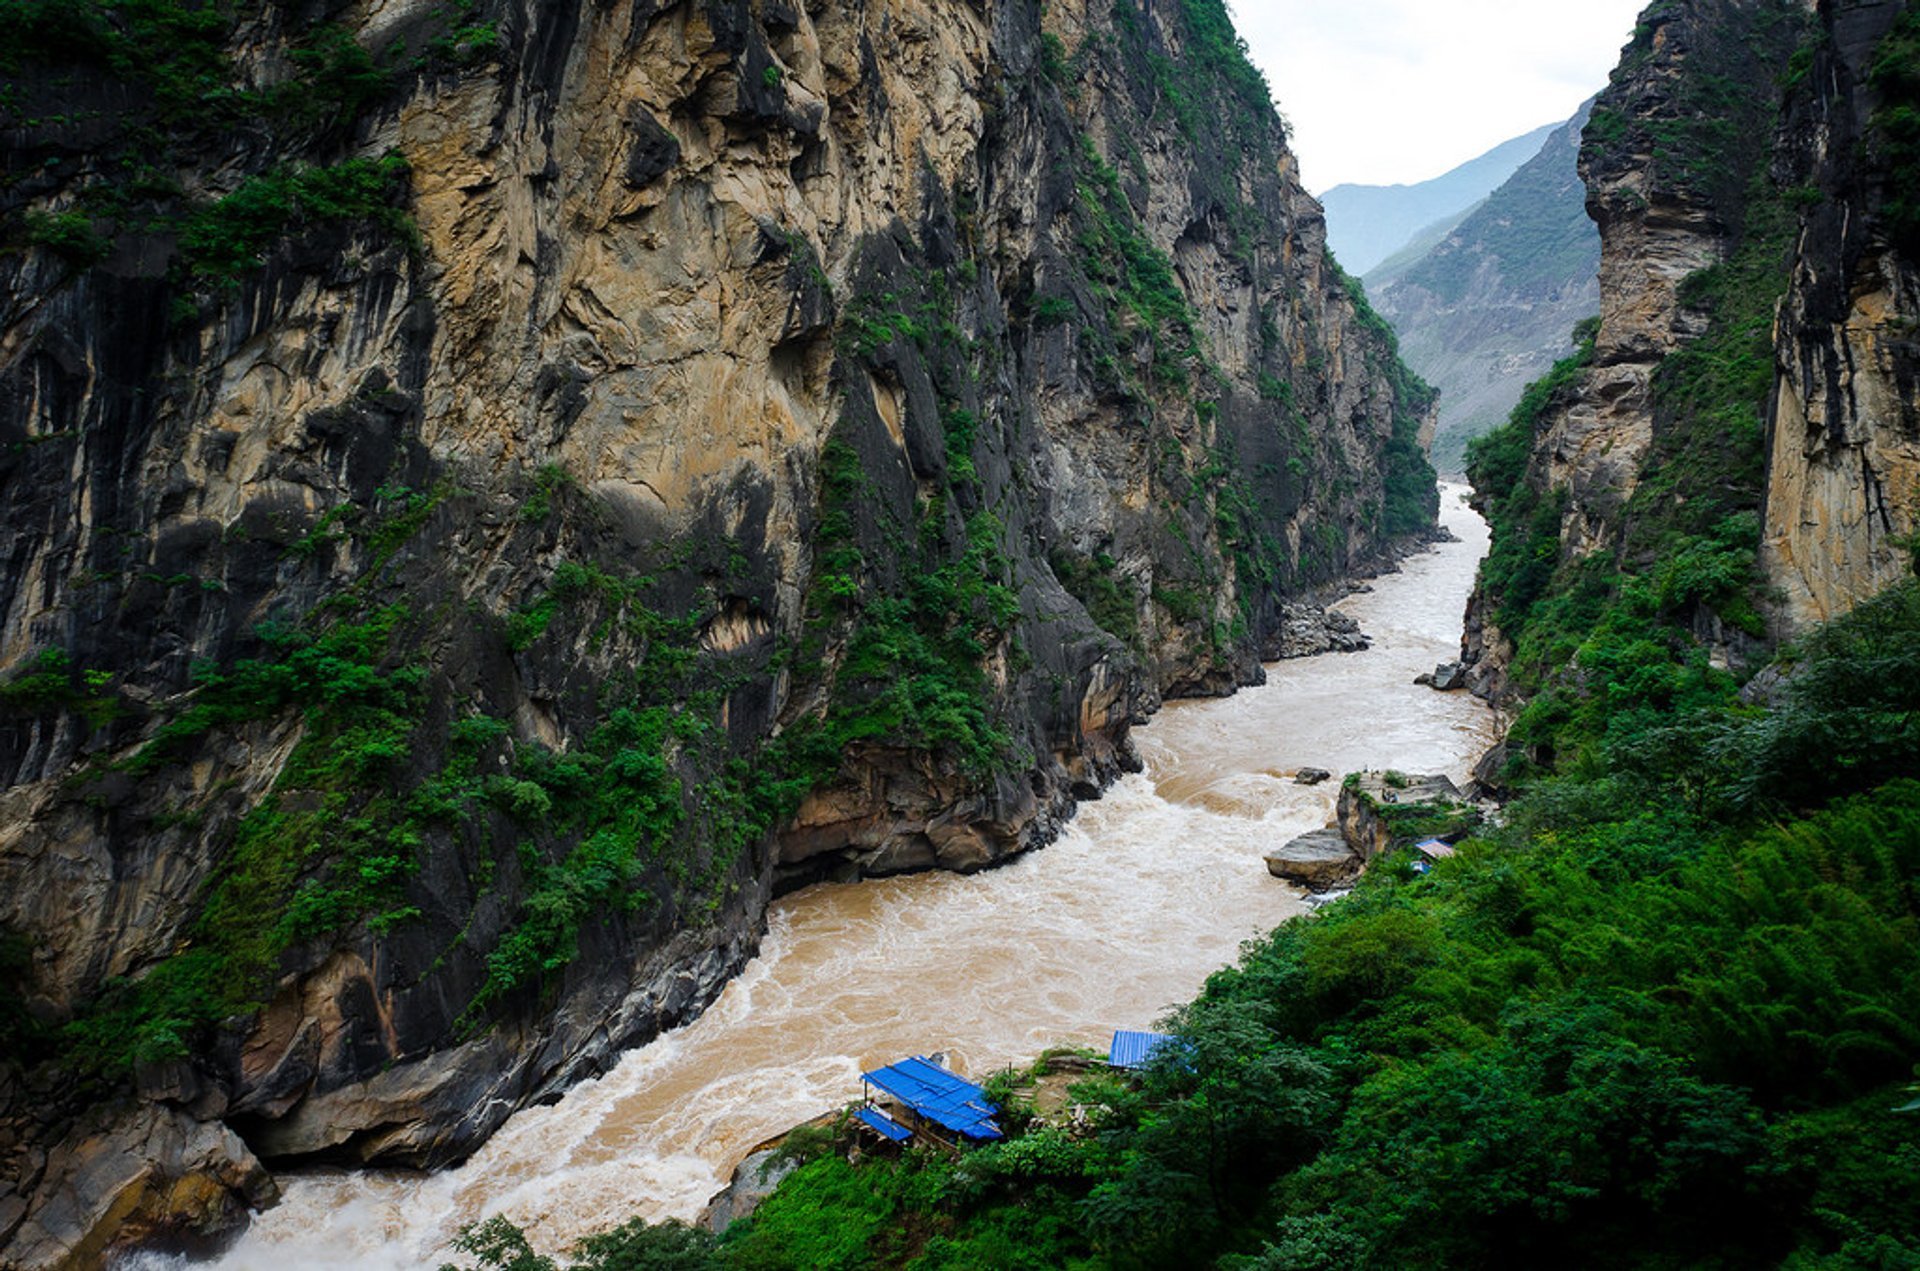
(1148, 891)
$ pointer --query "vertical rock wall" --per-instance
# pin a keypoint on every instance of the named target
(1843, 477)
(484, 514)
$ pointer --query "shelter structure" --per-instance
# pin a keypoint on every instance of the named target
(1132, 1050)
(939, 1104)
(1431, 850)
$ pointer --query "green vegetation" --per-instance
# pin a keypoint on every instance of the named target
(1641, 1025)
(1895, 77)
(331, 843)
(1615, 630)
(1111, 599)
(1131, 275)
(635, 1246)
(1526, 553)
(1412, 493)
(222, 241)
(1215, 85)
(55, 684)
(177, 91)
(69, 235)
(912, 671)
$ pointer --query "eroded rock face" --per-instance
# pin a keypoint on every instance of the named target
(1843, 473)
(756, 368)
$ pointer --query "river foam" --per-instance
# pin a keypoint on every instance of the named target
(1148, 891)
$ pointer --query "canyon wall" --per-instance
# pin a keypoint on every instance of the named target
(494, 492)
(1739, 432)
(1843, 476)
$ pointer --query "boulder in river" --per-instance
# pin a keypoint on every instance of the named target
(1311, 776)
(1306, 629)
(1317, 861)
(154, 1173)
(1449, 676)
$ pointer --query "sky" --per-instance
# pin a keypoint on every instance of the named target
(1397, 91)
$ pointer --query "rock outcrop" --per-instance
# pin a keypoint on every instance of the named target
(1379, 811)
(1318, 860)
(1843, 468)
(1308, 630)
(508, 487)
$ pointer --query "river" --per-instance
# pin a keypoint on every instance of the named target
(1148, 890)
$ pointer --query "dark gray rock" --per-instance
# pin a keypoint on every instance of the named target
(1307, 630)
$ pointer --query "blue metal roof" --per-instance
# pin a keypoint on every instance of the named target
(1133, 1050)
(882, 1124)
(939, 1096)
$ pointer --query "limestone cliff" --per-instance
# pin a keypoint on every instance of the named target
(496, 490)
(1843, 473)
(1734, 451)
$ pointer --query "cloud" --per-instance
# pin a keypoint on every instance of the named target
(1386, 91)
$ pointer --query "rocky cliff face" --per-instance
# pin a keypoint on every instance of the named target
(1655, 451)
(1487, 310)
(1739, 438)
(1843, 473)
(495, 491)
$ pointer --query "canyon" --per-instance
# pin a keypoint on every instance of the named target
(512, 488)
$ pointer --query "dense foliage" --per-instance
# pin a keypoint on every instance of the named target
(1412, 499)
(1663, 1018)
(150, 88)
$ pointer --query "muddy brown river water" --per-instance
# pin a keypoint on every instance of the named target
(1149, 890)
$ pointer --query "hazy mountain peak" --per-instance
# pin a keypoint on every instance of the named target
(1367, 223)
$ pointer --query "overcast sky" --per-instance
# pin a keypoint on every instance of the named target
(1397, 91)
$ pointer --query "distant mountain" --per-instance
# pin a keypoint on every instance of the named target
(1367, 223)
(1490, 305)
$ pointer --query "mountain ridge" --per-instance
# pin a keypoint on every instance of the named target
(1368, 223)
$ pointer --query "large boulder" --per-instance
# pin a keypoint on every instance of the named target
(1305, 630)
(754, 1179)
(156, 1173)
(1317, 861)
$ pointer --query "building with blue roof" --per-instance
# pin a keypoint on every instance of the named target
(936, 1098)
(1132, 1050)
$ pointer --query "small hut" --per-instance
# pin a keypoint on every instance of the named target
(929, 1101)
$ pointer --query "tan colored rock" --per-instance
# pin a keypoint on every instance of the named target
(154, 1173)
(1317, 861)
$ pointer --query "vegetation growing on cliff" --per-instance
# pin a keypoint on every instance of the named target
(1604, 634)
(1666, 1016)
(144, 85)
